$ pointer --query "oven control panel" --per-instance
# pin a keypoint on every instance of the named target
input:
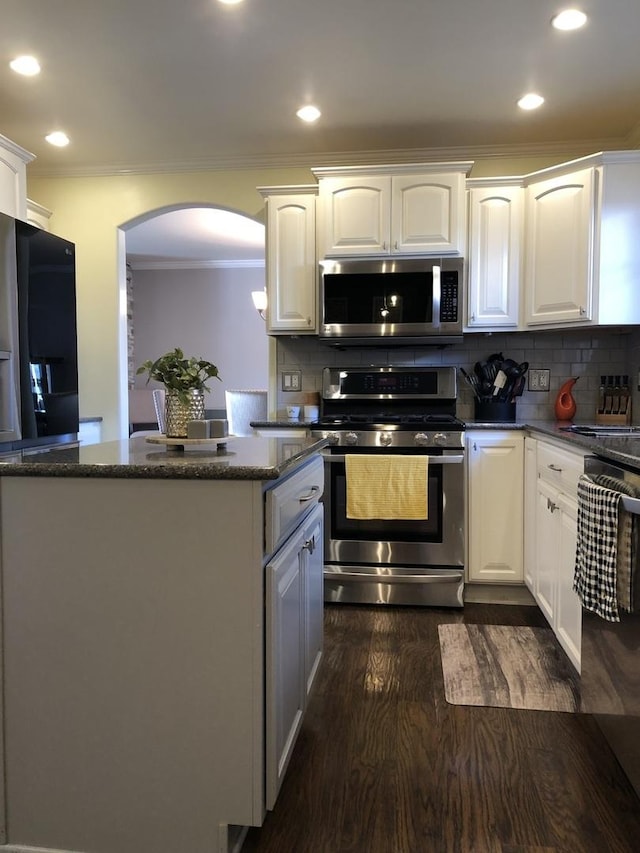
(397, 439)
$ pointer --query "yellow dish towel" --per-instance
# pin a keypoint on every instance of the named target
(387, 486)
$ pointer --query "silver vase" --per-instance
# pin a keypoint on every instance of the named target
(177, 413)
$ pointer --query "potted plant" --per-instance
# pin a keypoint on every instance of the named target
(184, 380)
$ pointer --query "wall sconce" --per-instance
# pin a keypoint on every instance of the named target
(260, 302)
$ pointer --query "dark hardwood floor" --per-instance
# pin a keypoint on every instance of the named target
(384, 765)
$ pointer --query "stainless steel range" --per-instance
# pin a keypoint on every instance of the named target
(394, 411)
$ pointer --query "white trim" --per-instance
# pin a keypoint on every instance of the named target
(393, 169)
(22, 153)
(336, 158)
(254, 263)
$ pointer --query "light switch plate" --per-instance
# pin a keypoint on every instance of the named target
(291, 380)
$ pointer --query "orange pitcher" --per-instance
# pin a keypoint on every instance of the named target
(565, 407)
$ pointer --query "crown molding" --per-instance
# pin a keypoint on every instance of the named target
(253, 263)
(13, 148)
(339, 158)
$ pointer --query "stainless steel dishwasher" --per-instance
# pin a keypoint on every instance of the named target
(610, 675)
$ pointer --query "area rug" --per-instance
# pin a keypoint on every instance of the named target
(506, 667)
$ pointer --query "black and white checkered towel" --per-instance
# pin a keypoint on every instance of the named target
(597, 548)
(628, 541)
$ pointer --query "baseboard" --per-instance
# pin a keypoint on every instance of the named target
(488, 593)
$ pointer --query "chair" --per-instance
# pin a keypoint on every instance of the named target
(244, 407)
(146, 407)
(158, 404)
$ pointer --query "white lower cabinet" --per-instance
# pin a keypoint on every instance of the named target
(495, 510)
(294, 605)
(555, 544)
(530, 501)
(313, 578)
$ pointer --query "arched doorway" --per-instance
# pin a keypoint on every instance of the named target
(191, 269)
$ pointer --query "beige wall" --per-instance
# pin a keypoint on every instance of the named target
(92, 211)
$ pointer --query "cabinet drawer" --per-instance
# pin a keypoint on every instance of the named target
(288, 502)
(560, 467)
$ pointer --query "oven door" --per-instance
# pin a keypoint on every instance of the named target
(408, 552)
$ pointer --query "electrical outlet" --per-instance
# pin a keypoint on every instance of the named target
(539, 380)
(291, 380)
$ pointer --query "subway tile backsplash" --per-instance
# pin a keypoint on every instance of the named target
(585, 353)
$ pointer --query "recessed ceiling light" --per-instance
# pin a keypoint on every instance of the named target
(57, 138)
(230, 2)
(530, 101)
(569, 19)
(309, 113)
(27, 65)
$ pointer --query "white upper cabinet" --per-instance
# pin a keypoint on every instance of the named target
(38, 215)
(13, 178)
(389, 210)
(495, 258)
(582, 248)
(291, 259)
(560, 226)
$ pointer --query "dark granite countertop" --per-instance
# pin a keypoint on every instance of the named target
(276, 423)
(252, 458)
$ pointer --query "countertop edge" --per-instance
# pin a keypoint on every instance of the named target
(177, 467)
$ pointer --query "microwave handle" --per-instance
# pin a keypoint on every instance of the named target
(437, 293)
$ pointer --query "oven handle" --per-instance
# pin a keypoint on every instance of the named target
(453, 577)
(435, 460)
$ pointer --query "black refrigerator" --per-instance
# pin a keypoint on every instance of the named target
(38, 337)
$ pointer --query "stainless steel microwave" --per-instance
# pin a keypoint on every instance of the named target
(391, 301)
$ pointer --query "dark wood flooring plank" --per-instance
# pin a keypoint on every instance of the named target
(385, 765)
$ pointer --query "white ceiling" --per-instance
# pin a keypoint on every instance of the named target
(150, 85)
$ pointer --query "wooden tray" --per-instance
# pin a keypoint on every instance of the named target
(181, 443)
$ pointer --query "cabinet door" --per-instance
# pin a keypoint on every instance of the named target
(291, 264)
(13, 178)
(285, 664)
(313, 550)
(495, 475)
(428, 214)
(495, 239)
(559, 249)
(355, 216)
(530, 502)
(568, 606)
(547, 545)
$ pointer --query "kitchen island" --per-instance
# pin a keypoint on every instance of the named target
(138, 650)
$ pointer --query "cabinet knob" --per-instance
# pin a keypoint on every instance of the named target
(384, 245)
(582, 311)
(310, 545)
(473, 318)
